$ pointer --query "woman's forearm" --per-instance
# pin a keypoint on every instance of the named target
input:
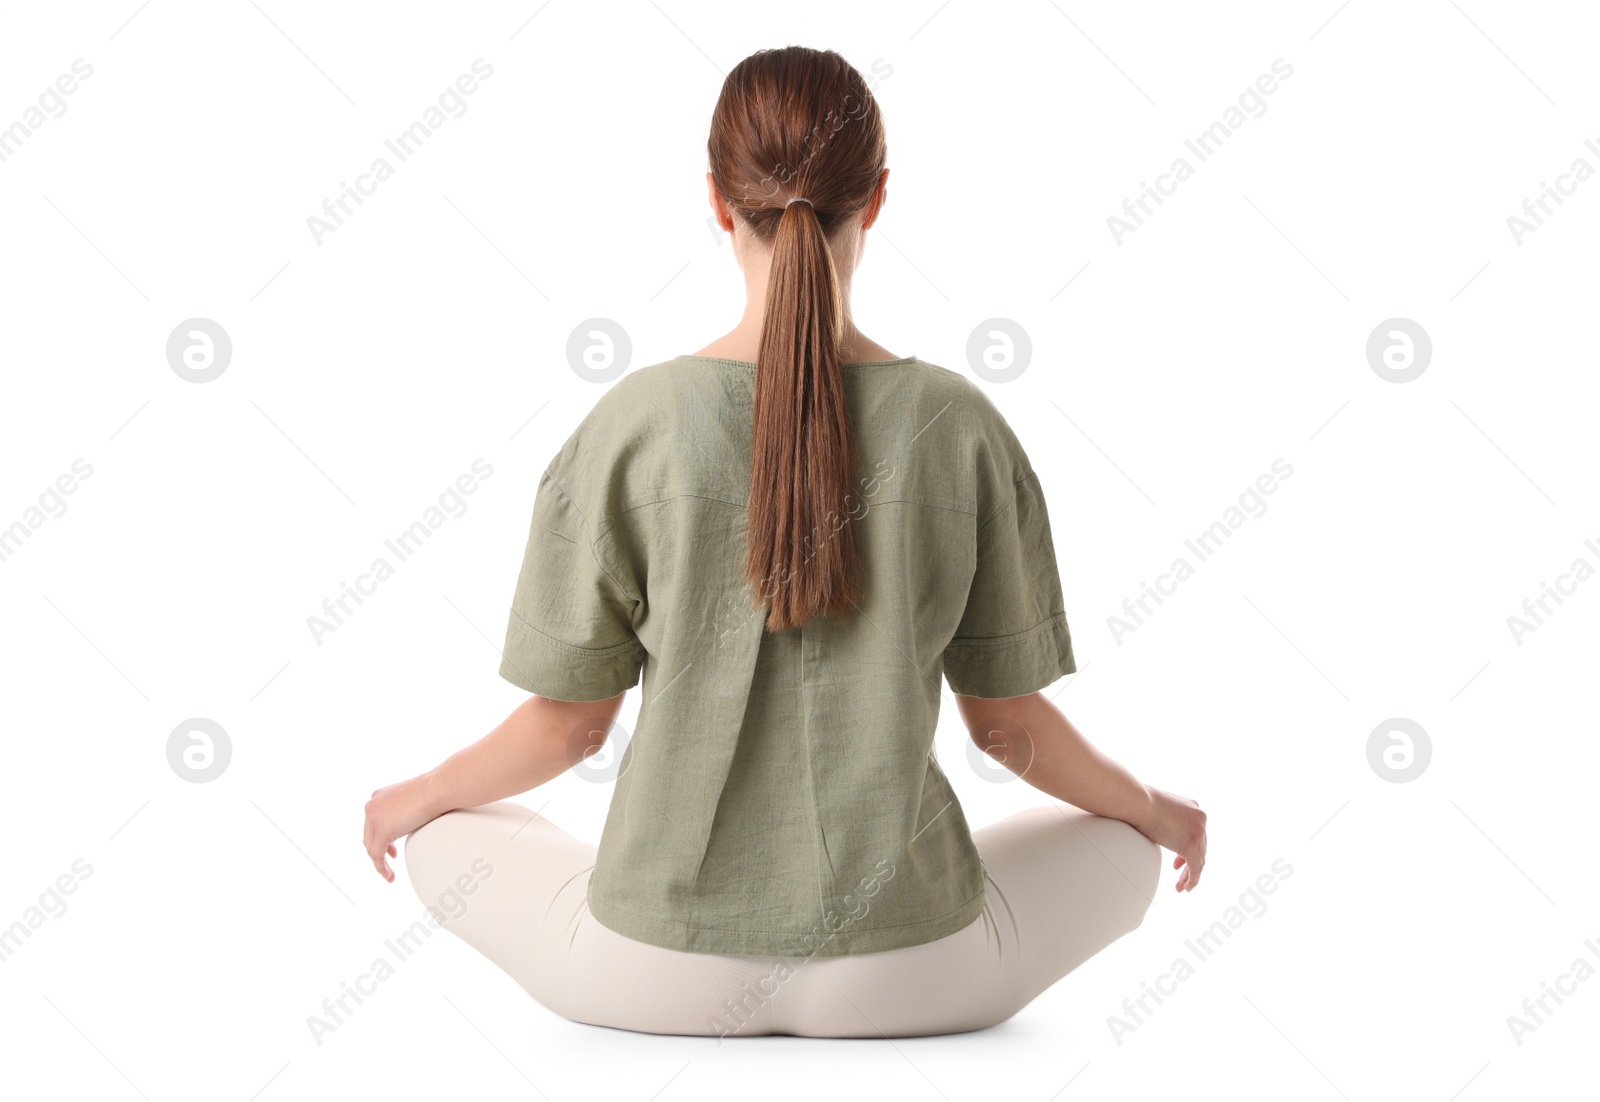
(1032, 738)
(537, 742)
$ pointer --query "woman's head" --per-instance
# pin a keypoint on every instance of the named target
(796, 122)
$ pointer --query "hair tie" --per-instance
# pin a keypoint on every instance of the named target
(800, 199)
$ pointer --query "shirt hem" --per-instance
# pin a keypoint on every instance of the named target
(688, 938)
(1006, 666)
(536, 663)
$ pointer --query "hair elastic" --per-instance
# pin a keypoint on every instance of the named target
(800, 199)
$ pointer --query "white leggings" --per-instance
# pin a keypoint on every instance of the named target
(1061, 885)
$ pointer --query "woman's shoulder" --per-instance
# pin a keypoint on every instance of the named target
(987, 450)
(652, 382)
(634, 435)
(982, 422)
(945, 384)
(628, 406)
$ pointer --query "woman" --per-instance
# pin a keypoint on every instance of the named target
(790, 536)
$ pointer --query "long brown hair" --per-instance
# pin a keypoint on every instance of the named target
(797, 122)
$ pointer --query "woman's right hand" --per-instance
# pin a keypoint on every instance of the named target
(1178, 824)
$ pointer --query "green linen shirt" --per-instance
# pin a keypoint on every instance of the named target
(780, 795)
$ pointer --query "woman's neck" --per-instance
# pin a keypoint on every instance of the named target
(744, 340)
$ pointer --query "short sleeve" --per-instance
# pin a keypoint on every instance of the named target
(570, 634)
(1013, 637)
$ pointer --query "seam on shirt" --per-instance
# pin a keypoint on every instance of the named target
(925, 504)
(1012, 504)
(741, 505)
(811, 780)
(560, 535)
(1002, 640)
(626, 590)
(765, 930)
(674, 497)
(584, 652)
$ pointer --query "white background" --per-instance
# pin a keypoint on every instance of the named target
(1169, 370)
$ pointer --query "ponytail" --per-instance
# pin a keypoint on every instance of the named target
(801, 554)
(803, 122)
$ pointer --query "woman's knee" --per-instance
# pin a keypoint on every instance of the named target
(1113, 854)
(502, 818)
(427, 854)
(444, 854)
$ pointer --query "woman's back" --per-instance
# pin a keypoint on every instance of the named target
(779, 795)
(793, 548)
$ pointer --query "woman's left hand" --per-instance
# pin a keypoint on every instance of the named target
(393, 813)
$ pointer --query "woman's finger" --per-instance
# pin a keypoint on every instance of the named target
(375, 851)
